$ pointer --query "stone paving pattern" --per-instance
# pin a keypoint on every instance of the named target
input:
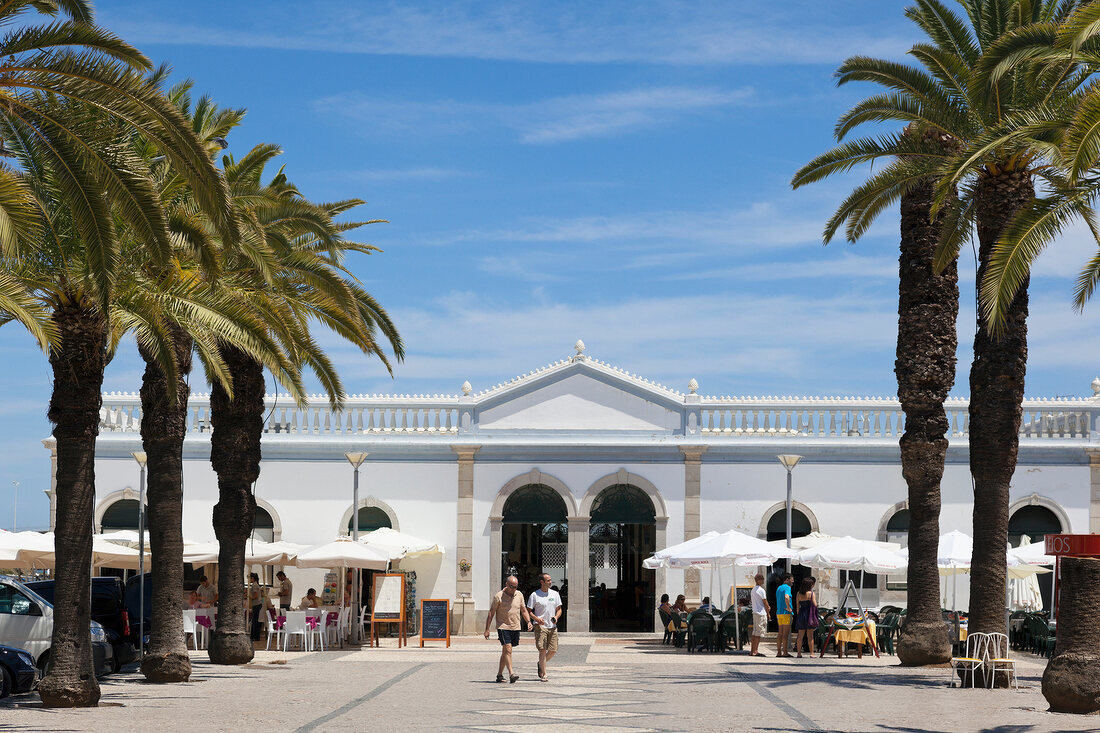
(597, 685)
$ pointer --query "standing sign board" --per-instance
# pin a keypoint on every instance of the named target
(388, 606)
(435, 620)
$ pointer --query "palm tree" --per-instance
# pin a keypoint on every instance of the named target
(289, 272)
(953, 94)
(68, 89)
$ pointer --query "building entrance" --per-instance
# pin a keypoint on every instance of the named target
(622, 534)
(534, 540)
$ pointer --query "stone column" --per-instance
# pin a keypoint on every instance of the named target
(1094, 489)
(464, 546)
(579, 574)
(51, 445)
(693, 455)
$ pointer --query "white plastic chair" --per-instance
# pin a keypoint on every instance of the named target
(316, 632)
(975, 659)
(273, 632)
(296, 625)
(998, 659)
(333, 627)
(190, 627)
(204, 631)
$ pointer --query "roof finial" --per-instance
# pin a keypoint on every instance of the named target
(693, 385)
(579, 348)
(1096, 387)
(466, 388)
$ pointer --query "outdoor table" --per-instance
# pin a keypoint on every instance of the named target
(851, 631)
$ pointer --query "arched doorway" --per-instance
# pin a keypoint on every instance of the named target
(122, 514)
(623, 532)
(371, 518)
(1036, 521)
(897, 530)
(534, 539)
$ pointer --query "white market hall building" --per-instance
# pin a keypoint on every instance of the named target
(584, 469)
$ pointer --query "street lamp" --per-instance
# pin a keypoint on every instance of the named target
(789, 462)
(15, 507)
(356, 460)
(141, 458)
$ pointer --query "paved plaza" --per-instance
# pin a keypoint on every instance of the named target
(597, 685)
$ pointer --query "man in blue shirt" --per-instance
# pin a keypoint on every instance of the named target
(784, 614)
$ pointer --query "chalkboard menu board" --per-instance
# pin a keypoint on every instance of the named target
(435, 620)
(389, 597)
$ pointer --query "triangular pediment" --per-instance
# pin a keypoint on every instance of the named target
(582, 401)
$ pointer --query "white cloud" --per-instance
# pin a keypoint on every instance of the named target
(554, 120)
(657, 32)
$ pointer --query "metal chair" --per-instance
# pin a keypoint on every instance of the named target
(999, 661)
(974, 661)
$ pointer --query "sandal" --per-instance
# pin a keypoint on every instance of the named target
(500, 678)
(513, 678)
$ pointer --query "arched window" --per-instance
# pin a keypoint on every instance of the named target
(263, 526)
(1034, 520)
(777, 525)
(623, 504)
(370, 519)
(535, 503)
(897, 530)
(123, 514)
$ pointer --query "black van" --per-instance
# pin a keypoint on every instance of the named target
(109, 609)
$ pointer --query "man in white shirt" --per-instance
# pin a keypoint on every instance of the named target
(760, 611)
(545, 605)
(286, 590)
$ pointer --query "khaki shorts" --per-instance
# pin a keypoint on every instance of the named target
(759, 624)
(546, 639)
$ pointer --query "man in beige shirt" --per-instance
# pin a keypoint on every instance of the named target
(507, 609)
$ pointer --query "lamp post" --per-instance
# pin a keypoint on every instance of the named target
(789, 462)
(15, 507)
(356, 460)
(140, 457)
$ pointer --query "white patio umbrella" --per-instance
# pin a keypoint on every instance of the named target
(660, 558)
(25, 550)
(815, 539)
(1024, 593)
(953, 557)
(398, 544)
(347, 553)
(851, 554)
(726, 550)
(256, 552)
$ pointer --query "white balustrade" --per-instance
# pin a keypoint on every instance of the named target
(718, 417)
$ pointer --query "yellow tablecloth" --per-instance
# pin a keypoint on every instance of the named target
(854, 636)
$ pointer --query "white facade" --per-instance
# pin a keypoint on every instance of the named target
(443, 467)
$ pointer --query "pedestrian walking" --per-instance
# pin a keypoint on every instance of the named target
(507, 609)
(784, 614)
(545, 607)
(760, 611)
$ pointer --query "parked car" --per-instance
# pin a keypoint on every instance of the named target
(109, 609)
(26, 622)
(140, 619)
(17, 671)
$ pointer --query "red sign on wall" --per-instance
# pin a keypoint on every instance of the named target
(1076, 545)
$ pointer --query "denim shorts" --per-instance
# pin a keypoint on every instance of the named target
(508, 636)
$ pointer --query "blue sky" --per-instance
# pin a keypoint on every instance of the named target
(616, 172)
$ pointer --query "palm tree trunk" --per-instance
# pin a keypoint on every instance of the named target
(1071, 681)
(235, 457)
(996, 397)
(928, 306)
(163, 427)
(78, 363)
